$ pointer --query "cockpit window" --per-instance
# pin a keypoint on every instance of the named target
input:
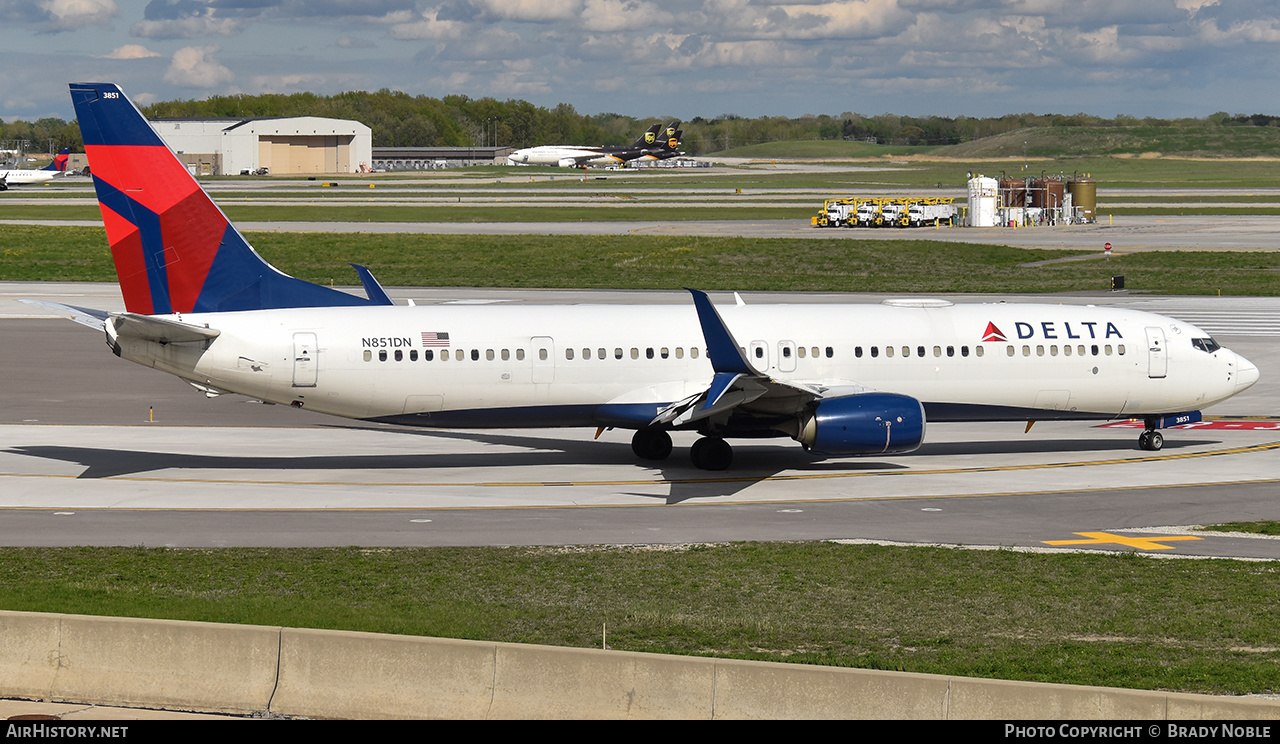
(1206, 344)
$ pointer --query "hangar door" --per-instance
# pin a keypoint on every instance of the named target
(319, 153)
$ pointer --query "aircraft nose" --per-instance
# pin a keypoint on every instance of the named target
(1246, 373)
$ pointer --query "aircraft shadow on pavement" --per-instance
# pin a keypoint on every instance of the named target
(1121, 447)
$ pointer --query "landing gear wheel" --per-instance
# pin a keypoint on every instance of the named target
(711, 453)
(1150, 440)
(651, 444)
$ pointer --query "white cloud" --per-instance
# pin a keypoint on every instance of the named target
(65, 15)
(532, 11)
(130, 51)
(190, 27)
(195, 67)
(620, 15)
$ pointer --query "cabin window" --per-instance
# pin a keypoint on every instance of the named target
(1026, 350)
(978, 350)
(413, 355)
(506, 354)
(906, 352)
(815, 352)
(459, 355)
(759, 352)
(1120, 349)
(568, 353)
(664, 352)
(693, 352)
(542, 354)
(635, 353)
(1080, 350)
(648, 352)
(1039, 350)
(475, 355)
(964, 351)
(888, 352)
(937, 351)
(951, 351)
(1010, 350)
(800, 352)
(399, 355)
(1066, 350)
(1094, 349)
(919, 351)
(368, 355)
(382, 355)
(1108, 349)
(857, 351)
(679, 352)
(586, 353)
(786, 352)
(1053, 350)
(617, 353)
(875, 351)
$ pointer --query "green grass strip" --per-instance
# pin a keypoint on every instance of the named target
(1200, 626)
(672, 262)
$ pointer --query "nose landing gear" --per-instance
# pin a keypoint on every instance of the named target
(1150, 440)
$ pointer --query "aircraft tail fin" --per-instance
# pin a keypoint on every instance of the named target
(59, 163)
(174, 249)
(649, 138)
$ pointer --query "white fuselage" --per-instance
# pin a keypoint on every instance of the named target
(500, 366)
(561, 155)
(19, 177)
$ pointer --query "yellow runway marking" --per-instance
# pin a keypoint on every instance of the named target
(1107, 538)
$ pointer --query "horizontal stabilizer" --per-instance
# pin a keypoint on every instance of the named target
(82, 315)
(160, 330)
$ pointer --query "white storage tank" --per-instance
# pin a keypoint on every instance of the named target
(982, 201)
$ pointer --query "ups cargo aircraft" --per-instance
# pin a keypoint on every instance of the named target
(842, 380)
(655, 140)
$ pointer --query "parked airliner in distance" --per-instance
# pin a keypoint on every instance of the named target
(842, 380)
(20, 177)
(656, 139)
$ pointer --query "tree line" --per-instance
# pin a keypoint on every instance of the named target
(401, 120)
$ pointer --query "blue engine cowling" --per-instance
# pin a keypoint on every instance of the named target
(865, 424)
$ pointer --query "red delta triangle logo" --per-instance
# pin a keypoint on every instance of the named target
(992, 333)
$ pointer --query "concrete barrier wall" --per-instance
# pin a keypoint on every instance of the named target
(336, 674)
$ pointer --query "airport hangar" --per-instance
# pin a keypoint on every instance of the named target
(281, 145)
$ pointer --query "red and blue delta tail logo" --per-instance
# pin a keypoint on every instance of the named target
(59, 163)
(992, 333)
(174, 249)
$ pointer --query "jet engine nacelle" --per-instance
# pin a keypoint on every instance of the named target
(567, 162)
(865, 424)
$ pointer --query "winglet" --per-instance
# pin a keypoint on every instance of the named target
(723, 350)
(377, 295)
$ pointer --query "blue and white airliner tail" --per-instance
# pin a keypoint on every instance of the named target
(842, 380)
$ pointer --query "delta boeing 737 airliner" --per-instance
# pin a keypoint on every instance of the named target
(842, 380)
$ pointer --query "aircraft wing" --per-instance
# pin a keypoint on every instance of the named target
(737, 384)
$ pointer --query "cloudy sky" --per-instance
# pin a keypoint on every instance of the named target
(685, 58)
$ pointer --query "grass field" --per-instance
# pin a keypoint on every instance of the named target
(659, 262)
(1128, 621)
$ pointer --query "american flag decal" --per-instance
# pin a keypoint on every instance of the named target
(431, 338)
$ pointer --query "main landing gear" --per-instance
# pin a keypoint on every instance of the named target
(708, 453)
